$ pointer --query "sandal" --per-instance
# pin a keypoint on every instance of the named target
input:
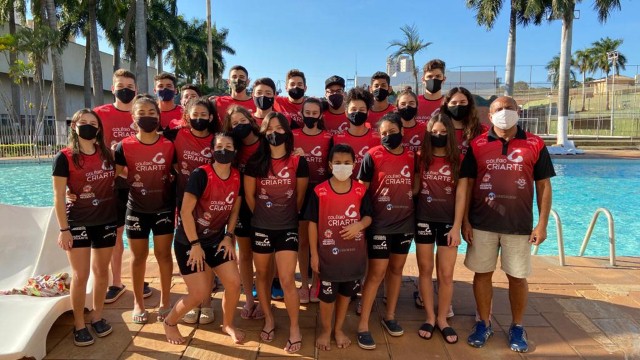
(247, 312)
(141, 318)
(258, 313)
(207, 316)
(417, 300)
(426, 327)
(448, 331)
(162, 313)
(270, 335)
(290, 345)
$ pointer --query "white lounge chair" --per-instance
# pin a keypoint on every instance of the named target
(28, 247)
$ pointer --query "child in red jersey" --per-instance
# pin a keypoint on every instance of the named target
(435, 185)
(461, 108)
(148, 157)
(88, 224)
(432, 78)
(338, 212)
(314, 142)
(407, 104)
(166, 90)
(387, 171)
(275, 182)
(204, 238)
(264, 93)
(379, 88)
(291, 105)
(334, 116)
(238, 82)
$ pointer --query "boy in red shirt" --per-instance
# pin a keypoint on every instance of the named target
(291, 106)
(334, 117)
(432, 78)
(166, 90)
(380, 88)
(238, 82)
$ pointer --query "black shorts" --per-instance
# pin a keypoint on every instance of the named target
(380, 246)
(122, 196)
(330, 289)
(429, 232)
(138, 225)
(212, 256)
(269, 241)
(96, 237)
(243, 226)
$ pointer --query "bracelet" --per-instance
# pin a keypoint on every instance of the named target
(195, 242)
(229, 234)
(65, 229)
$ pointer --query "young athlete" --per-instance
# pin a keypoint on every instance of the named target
(148, 157)
(380, 89)
(407, 104)
(165, 89)
(334, 116)
(461, 108)
(338, 212)
(238, 82)
(435, 185)
(187, 93)
(88, 224)
(204, 238)
(291, 105)
(275, 182)
(387, 171)
(433, 77)
(264, 92)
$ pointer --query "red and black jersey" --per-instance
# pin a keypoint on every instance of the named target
(340, 260)
(276, 195)
(224, 102)
(335, 123)
(391, 188)
(316, 151)
(245, 153)
(216, 198)
(427, 108)
(414, 136)
(167, 117)
(463, 144)
(505, 173)
(92, 183)
(191, 152)
(149, 165)
(374, 116)
(437, 194)
(360, 144)
(117, 124)
(290, 110)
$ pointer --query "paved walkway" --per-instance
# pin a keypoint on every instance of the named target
(585, 310)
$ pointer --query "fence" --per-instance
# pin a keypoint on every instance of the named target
(29, 141)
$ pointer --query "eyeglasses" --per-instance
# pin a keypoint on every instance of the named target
(332, 92)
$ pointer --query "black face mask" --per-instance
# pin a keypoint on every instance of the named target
(459, 112)
(263, 102)
(392, 141)
(408, 113)
(276, 138)
(241, 131)
(125, 95)
(335, 101)
(238, 85)
(223, 156)
(148, 123)
(87, 131)
(309, 121)
(434, 85)
(296, 93)
(439, 140)
(380, 94)
(357, 118)
(166, 94)
(199, 124)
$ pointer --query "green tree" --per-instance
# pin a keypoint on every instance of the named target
(410, 45)
(584, 62)
(141, 46)
(163, 27)
(601, 59)
(8, 11)
(553, 71)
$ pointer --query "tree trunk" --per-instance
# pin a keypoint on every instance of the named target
(141, 47)
(209, 47)
(606, 89)
(116, 57)
(584, 94)
(510, 66)
(96, 64)
(58, 83)
(160, 60)
(563, 84)
(88, 93)
(415, 73)
(16, 104)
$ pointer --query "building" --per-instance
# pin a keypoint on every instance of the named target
(619, 82)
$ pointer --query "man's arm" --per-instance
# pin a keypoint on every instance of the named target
(543, 192)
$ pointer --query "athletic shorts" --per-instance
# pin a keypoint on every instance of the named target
(139, 225)
(430, 232)
(269, 241)
(515, 253)
(380, 246)
(243, 226)
(212, 256)
(96, 237)
(329, 290)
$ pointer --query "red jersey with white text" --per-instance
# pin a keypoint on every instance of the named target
(335, 123)
(224, 102)
(437, 194)
(463, 144)
(374, 116)
(414, 136)
(118, 124)
(167, 117)
(245, 153)
(290, 110)
(316, 151)
(427, 108)
(191, 152)
(359, 144)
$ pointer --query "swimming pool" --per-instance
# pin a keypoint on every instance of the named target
(582, 186)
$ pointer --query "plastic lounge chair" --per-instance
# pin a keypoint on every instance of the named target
(28, 247)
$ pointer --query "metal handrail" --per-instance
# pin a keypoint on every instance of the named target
(612, 236)
(559, 236)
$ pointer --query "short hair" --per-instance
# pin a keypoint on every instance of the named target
(378, 75)
(239, 67)
(191, 87)
(433, 65)
(342, 149)
(265, 81)
(145, 99)
(406, 91)
(392, 117)
(359, 93)
(123, 73)
(294, 73)
(165, 75)
(316, 101)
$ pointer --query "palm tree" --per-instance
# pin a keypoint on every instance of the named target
(410, 45)
(583, 60)
(141, 47)
(209, 47)
(73, 22)
(96, 64)
(601, 60)
(553, 71)
(111, 16)
(163, 23)
(8, 10)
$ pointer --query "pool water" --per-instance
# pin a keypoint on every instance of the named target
(580, 187)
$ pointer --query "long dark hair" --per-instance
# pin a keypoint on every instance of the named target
(74, 143)
(316, 101)
(452, 151)
(260, 161)
(145, 99)
(214, 124)
(471, 124)
(227, 127)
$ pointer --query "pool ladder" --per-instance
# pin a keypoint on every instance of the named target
(612, 238)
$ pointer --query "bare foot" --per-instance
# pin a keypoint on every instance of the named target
(237, 335)
(173, 334)
(323, 341)
(294, 343)
(342, 340)
(268, 331)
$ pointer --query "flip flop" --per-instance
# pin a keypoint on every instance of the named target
(448, 331)
(143, 317)
(290, 344)
(427, 327)
(162, 313)
(247, 312)
(269, 337)
(417, 300)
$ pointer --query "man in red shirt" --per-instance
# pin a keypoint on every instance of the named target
(380, 88)
(187, 92)
(166, 90)
(291, 106)
(238, 82)
(432, 78)
(334, 117)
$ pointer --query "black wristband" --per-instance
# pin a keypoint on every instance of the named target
(229, 234)
(194, 242)
(65, 229)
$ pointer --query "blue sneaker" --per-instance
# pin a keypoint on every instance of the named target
(518, 338)
(481, 333)
(254, 292)
(276, 291)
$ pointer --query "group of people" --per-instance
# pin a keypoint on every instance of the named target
(339, 187)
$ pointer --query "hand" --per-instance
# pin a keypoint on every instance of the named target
(65, 240)
(538, 235)
(196, 258)
(467, 231)
(298, 151)
(71, 197)
(315, 264)
(212, 98)
(229, 249)
(453, 237)
(350, 232)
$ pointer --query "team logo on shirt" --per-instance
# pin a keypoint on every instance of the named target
(491, 196)
(389, 207)
(328, 233)
(230, 198)
(87, 192)
(351, 212)
(206, 152)
(415, 140)
(335, 251)
(405, 171)
(445, 170)
(143, 192)
(448, 190)
(106, 166)
(316, 151)
(363, 151)
(512, 157)
(429, 199)
(158, 158)
(284, 173)
(343, 127)
(269, 204)
(522, 182)
(95, 202)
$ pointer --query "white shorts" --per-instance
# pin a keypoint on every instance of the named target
(515, 253)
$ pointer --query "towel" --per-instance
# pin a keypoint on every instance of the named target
(44, 286)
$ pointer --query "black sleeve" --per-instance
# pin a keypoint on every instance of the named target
(303, 168)
(119, 155)
(197, 182)
(366, 209)
(366, 169)
(171, 134)
(175, 157)
(60, 165)
(469, 167)
(543, 169)
(311, 214)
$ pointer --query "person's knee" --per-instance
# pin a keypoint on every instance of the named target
(515, 281)
(425, 266)
(287, 281)
(80, 277)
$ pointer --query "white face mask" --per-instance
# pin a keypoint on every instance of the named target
(342, 171)
(505, 119)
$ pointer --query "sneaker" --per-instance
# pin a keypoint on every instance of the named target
(392, 327)
(146, 291)
(101, 328)
(276, 290)
(206, 316)
(518, 338)
(304, 295)
(113, 293)
(254, 292)
(192, 316)
(481, 333)
(82, 337)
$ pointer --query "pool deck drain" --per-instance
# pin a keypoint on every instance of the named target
(585, 310)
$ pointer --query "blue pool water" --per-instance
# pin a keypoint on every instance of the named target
(582, 185)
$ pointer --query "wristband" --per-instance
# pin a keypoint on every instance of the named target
(229, 234)
(65, 229)
(195, 242)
